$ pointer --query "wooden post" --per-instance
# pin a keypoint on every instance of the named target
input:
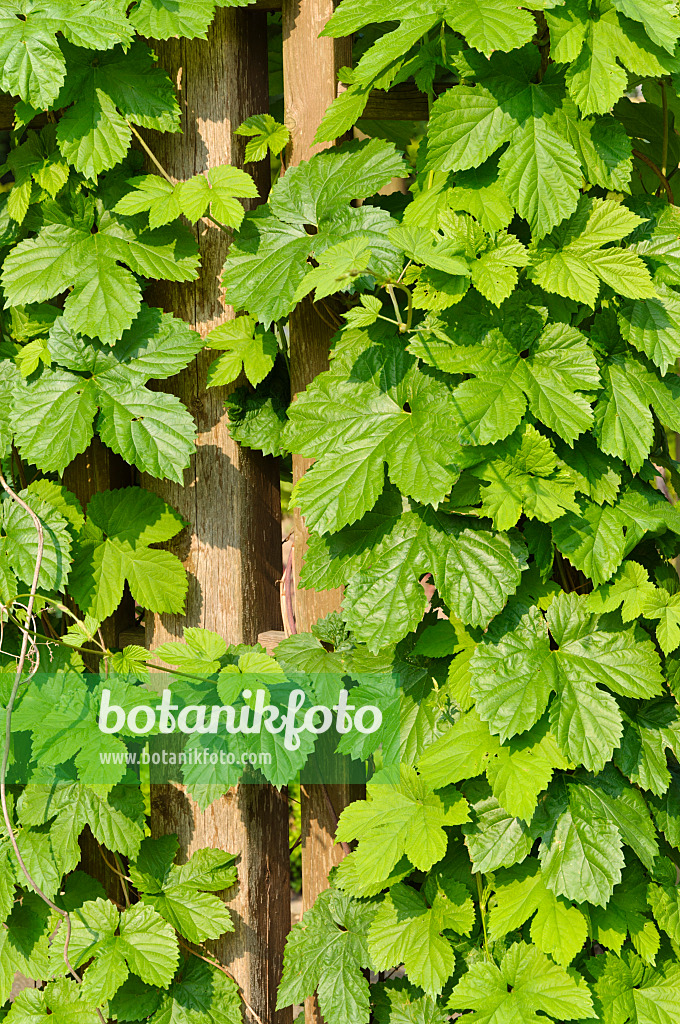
(310, 67)
(230, 498)
(99, 469)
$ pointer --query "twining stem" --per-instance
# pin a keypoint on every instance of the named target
(123, 880)
(409, 262)
(154, 159)
(23, 654)
(390, 292)
(660, 175)
(409, 297)
(664, 150)
(220, 967)
(151, 155)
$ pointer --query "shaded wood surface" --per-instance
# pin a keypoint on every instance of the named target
(99, 469)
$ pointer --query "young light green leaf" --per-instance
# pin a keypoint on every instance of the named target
(247, 346)
(265, 135)
(525, 982)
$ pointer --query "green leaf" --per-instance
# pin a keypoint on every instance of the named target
(110, 818)
(581, 857)
(54, 419)
(315, 188)
(396, 998)
(651, 325)
(463, 751)
(558, 928)
(416, 816)
(268, 259)
(61, 1002)
(196, 915)
(596, 49)
(114, 547)
(525, 982)
(163, 19)
(490, 25)
(119, 87)
(557, 366)
(93, 135)
(134, 1000)
(21, 535)
(338, 268)
(266, 262)
(479, 192)
(593, 539)
(656, 1001)
(9, 386)
(372, 429)
(608, 796)
(523, 768)
(513, 675)
(153, 195)
(474, 571)
(326, 952)
(629, 590)
(151, 429)
(659, 604)
(265, 135)
(32, 63)
(512, 679)
(157, 345)
(542, 175)
(138, 940)
(467, 126)
(665, 903)
(217, 188)
(524, 481)
(572, 261)
(105, 296)
(660, 19)
(623, 422)
(627, 913)
(247, 347)
(174, 891)
(406, 930)
(201, 994)
(494, 838)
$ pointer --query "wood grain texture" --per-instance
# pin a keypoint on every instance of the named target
(310, 72)
(230, 499)
(310, 67)
(253, 821)
(99, 469)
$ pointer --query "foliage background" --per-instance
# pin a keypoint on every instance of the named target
(495, 420)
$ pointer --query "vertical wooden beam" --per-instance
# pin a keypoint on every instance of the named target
(99, 469)
(230, 498)
(310, 67)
